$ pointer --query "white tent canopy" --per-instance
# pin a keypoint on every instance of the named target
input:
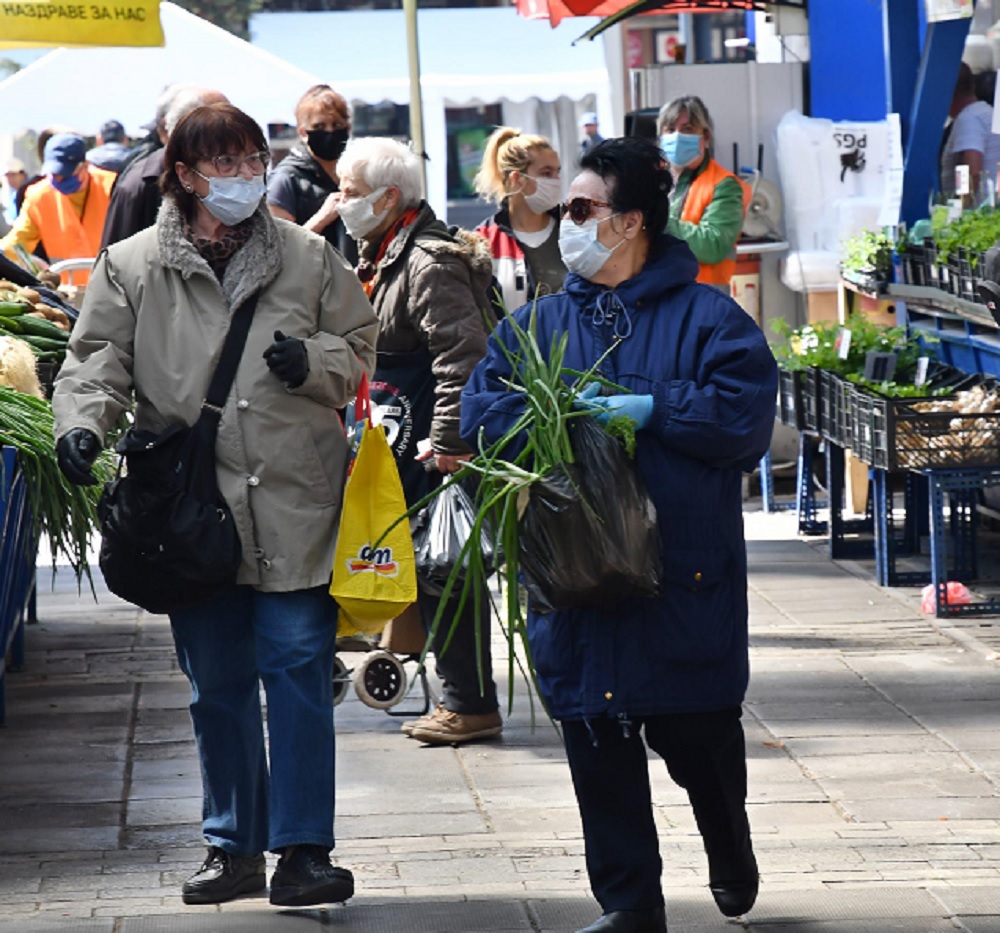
(468, 56)
(83, 87)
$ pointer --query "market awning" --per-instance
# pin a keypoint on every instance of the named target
(83, 87)
(452, 61)
(614, 11)
(53, 24)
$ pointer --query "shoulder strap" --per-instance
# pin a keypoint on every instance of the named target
(229, 359)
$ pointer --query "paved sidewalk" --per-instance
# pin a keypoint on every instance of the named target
(874, 754)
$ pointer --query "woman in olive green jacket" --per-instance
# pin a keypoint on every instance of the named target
(156, 312)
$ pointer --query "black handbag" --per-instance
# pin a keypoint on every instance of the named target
(169, 540)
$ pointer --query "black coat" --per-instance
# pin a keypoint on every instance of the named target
(135, 199)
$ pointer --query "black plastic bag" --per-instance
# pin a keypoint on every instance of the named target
(588, 536)
(439, 533)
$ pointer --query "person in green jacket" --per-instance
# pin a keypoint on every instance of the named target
(708, 203)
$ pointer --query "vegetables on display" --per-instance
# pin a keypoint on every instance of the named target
(819, 344)
(66, 514)
(27, 314)
(868, 255)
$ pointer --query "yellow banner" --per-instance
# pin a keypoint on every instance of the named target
(57, 25)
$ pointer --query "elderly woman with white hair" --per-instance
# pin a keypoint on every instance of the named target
(429, 288)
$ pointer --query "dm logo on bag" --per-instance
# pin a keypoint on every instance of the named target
(376, 560)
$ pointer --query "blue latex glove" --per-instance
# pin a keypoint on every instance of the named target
(585, 398)
(637, 407)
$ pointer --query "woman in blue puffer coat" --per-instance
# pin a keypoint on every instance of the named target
(672, 669)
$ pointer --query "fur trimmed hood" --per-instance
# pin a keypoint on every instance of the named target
(429, 233)
(475, 250)
(253, 267)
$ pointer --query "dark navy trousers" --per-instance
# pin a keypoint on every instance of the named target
(705, 754)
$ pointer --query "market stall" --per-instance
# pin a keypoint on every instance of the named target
(36, 503)
(917, 403)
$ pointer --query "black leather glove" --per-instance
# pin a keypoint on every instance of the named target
(288, 360)
(76, 452)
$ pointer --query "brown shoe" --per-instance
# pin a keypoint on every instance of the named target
(427, 719)
(444, 727)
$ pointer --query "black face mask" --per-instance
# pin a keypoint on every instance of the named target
(327, 145)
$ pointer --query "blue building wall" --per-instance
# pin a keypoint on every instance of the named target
(847, 69)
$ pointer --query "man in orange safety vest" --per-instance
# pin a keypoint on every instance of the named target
(65, 211)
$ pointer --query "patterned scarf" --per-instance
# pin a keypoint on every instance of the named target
(218, 252)
(367, 269)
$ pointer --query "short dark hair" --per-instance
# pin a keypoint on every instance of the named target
(986, 86)
(112, 131)
(966, 82)
(637, 176)
(201, 135)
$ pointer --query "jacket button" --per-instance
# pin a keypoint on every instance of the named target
(258, 552)
(608, 695)
(253, 480)
(242, 404)
(266, 564)
(697, 576)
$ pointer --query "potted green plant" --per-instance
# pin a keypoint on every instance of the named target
(867, 260)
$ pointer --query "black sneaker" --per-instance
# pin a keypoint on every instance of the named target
(304, 876)
(223, 877)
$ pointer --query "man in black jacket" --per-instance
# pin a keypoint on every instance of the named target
(135, 198)
(304, 187)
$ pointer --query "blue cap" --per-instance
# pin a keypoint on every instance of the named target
(63, 154)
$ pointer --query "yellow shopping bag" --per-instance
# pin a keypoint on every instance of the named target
(374, 572)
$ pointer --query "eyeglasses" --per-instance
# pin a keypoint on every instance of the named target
(229, 165)
(580, 209)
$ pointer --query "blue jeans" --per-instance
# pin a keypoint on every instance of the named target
(285, 641)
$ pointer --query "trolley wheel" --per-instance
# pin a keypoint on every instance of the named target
(380, 680)
(341, 681)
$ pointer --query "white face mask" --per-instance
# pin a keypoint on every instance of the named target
(547, 194)
(359, 215)
(232, 200)
(581, 251)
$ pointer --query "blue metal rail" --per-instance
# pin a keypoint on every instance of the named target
(18, 549)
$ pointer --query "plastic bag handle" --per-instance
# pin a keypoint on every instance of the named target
(363, 401)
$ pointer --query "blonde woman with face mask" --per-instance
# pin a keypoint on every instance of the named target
(520, 173)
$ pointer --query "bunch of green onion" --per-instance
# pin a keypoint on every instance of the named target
(551, 401)
(66, 514)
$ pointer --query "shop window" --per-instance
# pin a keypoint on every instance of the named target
(468, 129)
(385, 119)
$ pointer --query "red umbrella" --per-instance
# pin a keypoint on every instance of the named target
(614, 11)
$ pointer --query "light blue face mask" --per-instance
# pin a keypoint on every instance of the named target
(681, 149)
(232, 200)
(580, 249)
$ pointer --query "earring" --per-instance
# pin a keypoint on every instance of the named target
(188, 189)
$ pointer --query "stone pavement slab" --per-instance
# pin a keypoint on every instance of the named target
(873, 762)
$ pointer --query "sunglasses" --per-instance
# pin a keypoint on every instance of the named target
(581, 209)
